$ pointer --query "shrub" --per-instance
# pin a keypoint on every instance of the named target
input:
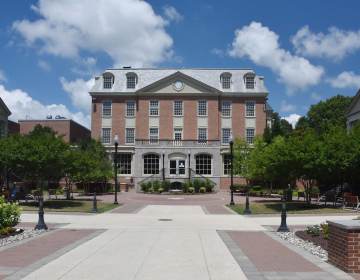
(202, 190)
(150, 190)
(209, 185)
(9, 213)
(197, 184)
(161, 189)
(313, 230)
(144, 187)
(257, 188)
(6, 231)
(325, 230)
(186, 186)
(156, 185)
(191, 190)
(315, 190)
(165, 185)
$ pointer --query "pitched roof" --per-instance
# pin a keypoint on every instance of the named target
(354, 101)
(3, 105)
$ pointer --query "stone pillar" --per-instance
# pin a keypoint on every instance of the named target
(344, 245)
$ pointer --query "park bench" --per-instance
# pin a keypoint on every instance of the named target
(351, 200)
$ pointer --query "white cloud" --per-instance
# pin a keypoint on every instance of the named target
(79, 93)
(335, 44)
(260, 44)
(293, 119)
(346, 79)
(286, 107)
(2, 76)
(217, 52)
(128, 31)
(44, 65)
(315, 96)
(172, 14)
(23, 106)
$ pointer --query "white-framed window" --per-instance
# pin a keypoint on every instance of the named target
(106, 108)
(124, 163)
(131, 80)
(225, 137)
(130, 135)
(178, 131)
(250, 81)
(202, 108)
(227, 164)
(108, 80)
(226, 108)
(203, 164)
(106, 135)
(202, 135)
(154, 135)
(151, 164)
(250, 135)
(154, 107)
(250, 108)
(178, 108)
(130, 108)
(225, 79)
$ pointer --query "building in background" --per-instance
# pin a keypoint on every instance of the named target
(353, 114)
(176, 123)
(4, 115)
(71, 131)
(13, 127)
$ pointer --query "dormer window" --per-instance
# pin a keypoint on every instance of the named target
(249, 80)
(225, 80)
(108, 80)
(131, 80)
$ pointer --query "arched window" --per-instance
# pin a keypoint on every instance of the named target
(249, 80)
(151, 164)
(108, 80)
(131, 80)
(225, 79)
(203, 164)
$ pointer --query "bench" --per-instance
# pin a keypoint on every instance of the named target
(351, 200)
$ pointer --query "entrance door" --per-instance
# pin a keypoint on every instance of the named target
(177, 167)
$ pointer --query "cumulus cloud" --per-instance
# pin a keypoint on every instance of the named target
(23, 106)
(129, 31)
(293, 119)
(346, 79)
(172, 14)
(260, 45)
(78, 91)
(287, 107)
(335, 44)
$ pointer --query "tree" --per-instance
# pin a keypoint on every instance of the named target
(279, 127)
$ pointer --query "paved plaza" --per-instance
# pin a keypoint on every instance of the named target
(164, 237)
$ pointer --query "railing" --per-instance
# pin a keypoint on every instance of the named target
(177, 143)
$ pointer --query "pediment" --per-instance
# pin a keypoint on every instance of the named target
(178, 83)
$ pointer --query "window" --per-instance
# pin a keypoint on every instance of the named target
(202, 108)
(131, 80)
(106, 108)
(130, 108)
(250, 81)
(227, 164)
(250, 108)
(226, 132)
(154, 108)
(203, 164)
(130, 135)
(106, 135)
(124, 163)
(178, 108)
(226, 109)
(151, 164)
(154, 135)
(250, 135)
(225, 79)
(108, 80)
(202, 135)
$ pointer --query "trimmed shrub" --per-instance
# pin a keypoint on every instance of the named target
(9, 213)
(209, 185)
(202, 190)
(186, 186)
(191, 190)
(156, 185)
(165, 185)
(150, 190)
(161, 190)
(197, 184)
(144, 187)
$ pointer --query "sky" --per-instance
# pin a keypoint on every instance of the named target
(50, 51)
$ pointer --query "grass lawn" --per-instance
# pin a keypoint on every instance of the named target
(76, 205)
(292, 208)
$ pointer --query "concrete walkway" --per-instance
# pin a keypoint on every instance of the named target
(165, 242)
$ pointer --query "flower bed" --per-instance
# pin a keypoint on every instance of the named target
(189, 187)
(9, 217)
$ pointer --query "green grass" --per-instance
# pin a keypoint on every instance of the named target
(292, 208)
(76, 205)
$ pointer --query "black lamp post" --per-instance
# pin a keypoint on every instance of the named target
(116, 143)
(94, 209)
(283, 226)
(163, 165)
(247, 210)
(189, 168)
(231, 142)
(41, 222)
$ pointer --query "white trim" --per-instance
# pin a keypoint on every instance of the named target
(102, 109)
(126, 104)
(158, 108)
(207, 109)
(250, 101)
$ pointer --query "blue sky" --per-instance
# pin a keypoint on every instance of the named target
(51, 50)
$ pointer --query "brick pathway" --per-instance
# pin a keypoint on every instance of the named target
(15, 261)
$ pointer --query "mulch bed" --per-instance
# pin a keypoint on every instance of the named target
(13, 232)
(317, 240)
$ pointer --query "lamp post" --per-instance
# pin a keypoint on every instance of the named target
(41, 222)
(116, 143)
(189, 168)
(94, 209)
(163, 165)
(283, 226)
(247, 210)
(231, 142)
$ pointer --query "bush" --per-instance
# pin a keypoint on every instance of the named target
(150, 190)
(144, 187)
(6, 231)
(257, 188)
(156, 185)
(202, 190)
(9, 213)
(165, 185)
(325, 230)
(209, 185)
(197, 184)
(191, 190)
(161, 189)
(186, 186)
(313, 230)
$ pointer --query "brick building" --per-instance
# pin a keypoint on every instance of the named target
(71, 131)
(176, 123)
